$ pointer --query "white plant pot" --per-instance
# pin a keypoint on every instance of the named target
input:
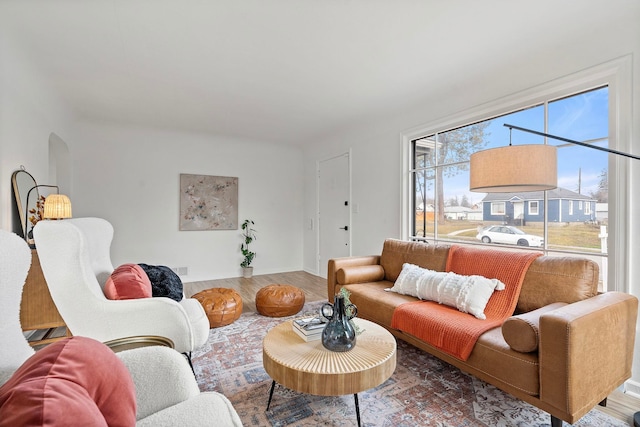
(247, 272)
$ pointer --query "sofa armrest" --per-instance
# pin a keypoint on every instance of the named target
(586, 351)
(522, 331)
(336, 264)
(360, 274)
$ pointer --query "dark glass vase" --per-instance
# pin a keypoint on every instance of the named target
(339, 334)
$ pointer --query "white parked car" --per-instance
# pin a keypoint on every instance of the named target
(509, 235)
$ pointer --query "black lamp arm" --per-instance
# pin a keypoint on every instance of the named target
(559, 138)
(636, 416)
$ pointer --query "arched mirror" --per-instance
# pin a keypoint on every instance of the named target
(22, 182)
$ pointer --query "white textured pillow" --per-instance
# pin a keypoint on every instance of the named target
(407, 281)
(469, 294)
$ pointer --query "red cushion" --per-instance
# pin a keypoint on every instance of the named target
(75, 381)
(129, 281)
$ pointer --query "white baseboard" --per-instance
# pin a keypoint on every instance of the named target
(632, 388)
(315, 273)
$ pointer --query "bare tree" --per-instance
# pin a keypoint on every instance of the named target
(452, 147)
(602, 194)
(465, 201)
(455, 146)
(422, 182)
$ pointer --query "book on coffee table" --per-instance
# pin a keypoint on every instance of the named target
(308, 328)
(309, 336)
(309, 323)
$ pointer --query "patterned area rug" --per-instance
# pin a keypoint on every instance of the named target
(423, 391)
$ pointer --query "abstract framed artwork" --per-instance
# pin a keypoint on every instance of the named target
(208, 202)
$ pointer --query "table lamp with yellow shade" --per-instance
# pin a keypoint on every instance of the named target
(56, 206)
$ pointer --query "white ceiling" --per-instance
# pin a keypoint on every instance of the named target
(287, 71)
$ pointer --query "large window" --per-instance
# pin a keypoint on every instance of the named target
(571, 219)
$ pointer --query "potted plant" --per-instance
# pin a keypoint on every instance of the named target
(248, 236)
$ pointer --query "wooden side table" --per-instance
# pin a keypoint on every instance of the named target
(37, 310)
(308, 367)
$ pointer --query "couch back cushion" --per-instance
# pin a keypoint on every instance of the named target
(558, 279)
(397, 252)
(548, 279)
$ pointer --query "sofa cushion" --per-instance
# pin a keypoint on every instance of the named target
(494, 361)
(552, 279)
(395, 253)
(469, 294)
(522, 332)
(359, 274)
(128, 281)
(75, 381)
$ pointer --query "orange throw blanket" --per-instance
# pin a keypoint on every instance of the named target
(455, 332)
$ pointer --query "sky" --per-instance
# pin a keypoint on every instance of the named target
(581, 117)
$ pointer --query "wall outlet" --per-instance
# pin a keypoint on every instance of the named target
(180, 271)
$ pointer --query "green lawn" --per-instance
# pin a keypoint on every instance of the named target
(560, 236)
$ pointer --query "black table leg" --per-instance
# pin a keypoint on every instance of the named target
(355, 397)
(273, 386)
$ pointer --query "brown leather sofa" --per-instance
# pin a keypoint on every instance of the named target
(576, 345)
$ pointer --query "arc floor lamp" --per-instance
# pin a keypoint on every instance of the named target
(524, 168)
(521, 168)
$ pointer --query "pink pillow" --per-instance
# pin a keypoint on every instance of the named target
(74, 381)
(129, 281)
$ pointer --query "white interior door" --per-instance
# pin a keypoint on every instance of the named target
(334, 207)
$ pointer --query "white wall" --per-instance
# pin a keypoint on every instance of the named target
(375, 174)
(130, 176)
(634, 206)
(29, 112)
(376, 147)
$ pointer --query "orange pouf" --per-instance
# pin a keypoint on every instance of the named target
(279, 300)
(223, 306)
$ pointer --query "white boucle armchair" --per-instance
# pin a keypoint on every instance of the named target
(15, 260)
(166, 391)
(76, 262)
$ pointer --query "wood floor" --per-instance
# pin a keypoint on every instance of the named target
(619, 405)
(314, 287)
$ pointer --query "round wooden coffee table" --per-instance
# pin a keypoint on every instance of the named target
(308, 367)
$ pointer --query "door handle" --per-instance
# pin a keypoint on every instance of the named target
(345, 228)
